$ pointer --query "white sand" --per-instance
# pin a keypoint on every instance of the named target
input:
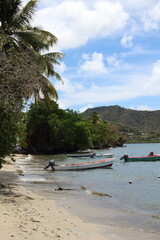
(25, 215)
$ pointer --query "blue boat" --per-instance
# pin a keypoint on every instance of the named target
(81, 155)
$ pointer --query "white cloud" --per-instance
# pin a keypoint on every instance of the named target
(114, 61)
(62, 104)
(93, 64)
(144, 108)
(103, 94)
(152, 87)
(136, 7)
(136, 86)
(76, 22)
(126, 41)
(151, 18)
(61, 68)
(68, 86)
(85, 107)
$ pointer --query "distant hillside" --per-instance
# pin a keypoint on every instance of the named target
(142, 120)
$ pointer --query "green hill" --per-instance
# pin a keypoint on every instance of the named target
(141, 120)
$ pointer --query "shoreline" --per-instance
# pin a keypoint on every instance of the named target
(26, 215)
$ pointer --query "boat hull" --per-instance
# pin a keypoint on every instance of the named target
(80, 155)
(106, 155)
(107, 163)
(145, 158)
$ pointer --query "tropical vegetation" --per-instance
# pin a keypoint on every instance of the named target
(135, 126)
(53, 130)
(17, 35)
(25, 66)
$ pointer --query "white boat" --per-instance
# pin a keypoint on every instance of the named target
(105, 163)
(107, 155)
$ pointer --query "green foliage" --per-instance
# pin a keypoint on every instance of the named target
(24, 71)
(83, 136)
(53, 130)
(141, 120)
(17, 34)
(50, 129)
(8, 129)
(135, 126)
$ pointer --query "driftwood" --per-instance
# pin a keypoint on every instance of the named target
(84, 189)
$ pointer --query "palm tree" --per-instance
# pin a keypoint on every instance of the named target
(16, 33)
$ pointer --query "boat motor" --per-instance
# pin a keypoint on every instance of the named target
(125, 157)
(50, 164)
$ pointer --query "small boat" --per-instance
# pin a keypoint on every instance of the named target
(155, 157)
(107, 155)
(106, 163)
(80, 155)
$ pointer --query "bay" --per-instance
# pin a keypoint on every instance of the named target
(103, 196)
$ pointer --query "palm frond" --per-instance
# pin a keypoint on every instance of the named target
(25, 15)
(45, 65)
(39, 39)
(7, 43)
(53, 57)
(48, 70)
(8, 10)
(49, 91)
(45, 36)
(57, 76)
(17, 34)
(32, 39)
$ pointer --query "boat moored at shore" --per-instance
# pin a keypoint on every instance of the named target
(105, 163)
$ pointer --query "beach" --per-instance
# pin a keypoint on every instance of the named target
(26, 215)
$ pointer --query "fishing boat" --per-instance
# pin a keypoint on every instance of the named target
(81, 155)
(106, 155)
(106, 163)
(155, 157)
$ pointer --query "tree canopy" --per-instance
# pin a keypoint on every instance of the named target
(25, 65)
(53, 130)
(17, 35)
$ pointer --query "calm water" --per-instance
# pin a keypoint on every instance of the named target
(135, 205)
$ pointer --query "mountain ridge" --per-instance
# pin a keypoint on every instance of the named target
(143, 120)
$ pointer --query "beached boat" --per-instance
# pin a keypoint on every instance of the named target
(106, 163)
(155, 157)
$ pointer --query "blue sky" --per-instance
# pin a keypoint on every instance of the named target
(112, 51)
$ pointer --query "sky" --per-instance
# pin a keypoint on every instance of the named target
(111, 52)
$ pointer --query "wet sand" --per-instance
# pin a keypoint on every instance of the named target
(26, 215)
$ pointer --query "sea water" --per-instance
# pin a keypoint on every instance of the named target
(125, 196)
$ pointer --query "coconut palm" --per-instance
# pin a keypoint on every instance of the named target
(16, 33)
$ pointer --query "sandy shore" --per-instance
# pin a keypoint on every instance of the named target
(26, 215)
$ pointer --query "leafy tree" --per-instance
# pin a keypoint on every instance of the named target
(53, 130)
(19, 78)
(16, 33)
(8, 129)
(94, 117)
(83, 136)
(24, 70)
